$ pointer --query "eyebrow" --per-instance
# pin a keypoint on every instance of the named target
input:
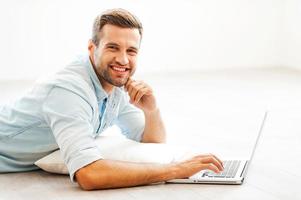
(111, 44)
(115, 44)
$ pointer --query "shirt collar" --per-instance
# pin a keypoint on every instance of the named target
(101, 94)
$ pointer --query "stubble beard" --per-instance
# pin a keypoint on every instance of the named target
(108, 78)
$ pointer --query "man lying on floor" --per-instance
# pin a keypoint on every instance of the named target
(79, 102)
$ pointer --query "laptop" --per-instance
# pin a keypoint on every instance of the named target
(234, 172)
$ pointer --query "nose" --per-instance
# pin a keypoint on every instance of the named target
(122, 58)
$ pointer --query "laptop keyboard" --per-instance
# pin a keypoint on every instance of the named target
(230, 170)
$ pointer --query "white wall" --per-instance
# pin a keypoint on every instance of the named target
(292, 34)
(39, 37)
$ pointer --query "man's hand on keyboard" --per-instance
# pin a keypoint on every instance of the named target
(191, 166)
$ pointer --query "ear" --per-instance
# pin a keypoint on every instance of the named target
(91, 47)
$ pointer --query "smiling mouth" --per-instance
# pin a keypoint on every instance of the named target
(119, 69)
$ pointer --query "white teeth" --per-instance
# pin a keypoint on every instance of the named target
(119, 69)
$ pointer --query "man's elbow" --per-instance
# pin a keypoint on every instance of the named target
(84, 179)
(93, 176)
(161, 139)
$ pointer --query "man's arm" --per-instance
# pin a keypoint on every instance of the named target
(141, 95)
(103, 174)
(154, 130)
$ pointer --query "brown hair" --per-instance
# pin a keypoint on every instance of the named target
(118, 17)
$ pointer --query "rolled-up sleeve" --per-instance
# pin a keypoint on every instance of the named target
(70, 118)
(130, 120)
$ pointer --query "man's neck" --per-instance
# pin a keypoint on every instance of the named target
(107, 87)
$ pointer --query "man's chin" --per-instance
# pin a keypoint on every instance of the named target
(119, 84)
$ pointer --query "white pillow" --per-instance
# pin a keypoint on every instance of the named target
(120, 148)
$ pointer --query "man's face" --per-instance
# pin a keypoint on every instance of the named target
(115, 57)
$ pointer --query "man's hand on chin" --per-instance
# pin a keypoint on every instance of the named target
(141, 95)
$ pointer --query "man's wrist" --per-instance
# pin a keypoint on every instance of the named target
(151, 112)
(172, 171)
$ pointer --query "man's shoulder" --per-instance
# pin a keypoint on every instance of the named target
(73, 77)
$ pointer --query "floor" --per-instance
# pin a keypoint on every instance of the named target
(195, 107)
(186, 97)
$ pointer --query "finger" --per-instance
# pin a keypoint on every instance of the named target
(128, 83)
(211, 167)
(133, 92)
(150, 90)
(136, 90)
(219, 160)
(208, 155)
(131, 86)
(140, 94)
(212, 160)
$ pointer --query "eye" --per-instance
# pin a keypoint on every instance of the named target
(132, 52)
(111, 47)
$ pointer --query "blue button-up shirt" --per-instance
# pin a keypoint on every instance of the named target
(68, 112)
